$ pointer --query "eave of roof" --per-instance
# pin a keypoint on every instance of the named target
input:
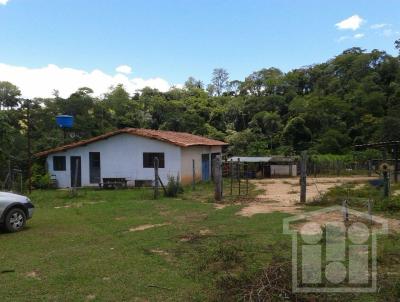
(181, 139)
(262, 159)
(251, 159)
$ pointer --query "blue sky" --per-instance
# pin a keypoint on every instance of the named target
(171, 40)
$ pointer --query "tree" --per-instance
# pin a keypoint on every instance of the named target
(296, 134)
(264, 82)
(220, 81)
(349, 99)
(246, 143)
(234, 87)
(9, 95)
(192, 84)
(397, 45)
(269, 123)
(333, 141)
(390, 129)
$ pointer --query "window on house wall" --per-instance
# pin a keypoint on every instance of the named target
(59, 163)
(148, 159)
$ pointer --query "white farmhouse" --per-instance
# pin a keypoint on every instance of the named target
(129, 154)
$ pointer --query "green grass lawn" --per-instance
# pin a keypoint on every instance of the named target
(77, 249)
(81, 248)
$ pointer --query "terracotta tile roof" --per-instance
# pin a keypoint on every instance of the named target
(181, 139)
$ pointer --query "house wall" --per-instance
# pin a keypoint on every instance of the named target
(195, 153)
(283, 170)
(120, 156)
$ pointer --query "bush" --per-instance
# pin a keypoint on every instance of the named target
(40, 179)
(173, 187)
(390, 205)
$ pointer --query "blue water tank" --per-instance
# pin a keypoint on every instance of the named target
(65, 121)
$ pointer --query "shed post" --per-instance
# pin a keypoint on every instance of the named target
(156, 184)
(303, 177)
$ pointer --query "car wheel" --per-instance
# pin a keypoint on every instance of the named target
(15, 220)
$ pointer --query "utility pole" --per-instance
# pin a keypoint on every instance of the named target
(29, 125)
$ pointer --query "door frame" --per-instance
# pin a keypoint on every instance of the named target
(73, 160)
(91, 168)
(205, 159)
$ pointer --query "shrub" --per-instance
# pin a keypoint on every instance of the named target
(40, 179)
(173, 187)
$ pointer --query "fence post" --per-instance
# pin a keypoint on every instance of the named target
(386, 183)
(303, 177)
(369, 168)
(231, 172)
(238, 174)
(217, 178)
(21, 183)
(345, 211)
(246, 175)
(156, 184)
(315, 169)
(396, 162)
(338, 168)
(370, 211)
(194, 174)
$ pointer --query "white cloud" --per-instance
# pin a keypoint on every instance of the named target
(354, 22)
(390, 33)
(125, 69)
(387, 32)
(343, 38)
(379, 25)
(356, 36)
(40, 82)
(3, 2)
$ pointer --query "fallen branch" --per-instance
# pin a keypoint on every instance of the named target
(160, 287)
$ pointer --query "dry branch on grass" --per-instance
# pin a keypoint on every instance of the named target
(272, 284)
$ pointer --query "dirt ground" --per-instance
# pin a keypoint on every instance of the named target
(320, 220)
(283, 194)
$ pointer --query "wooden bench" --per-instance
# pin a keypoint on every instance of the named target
(114, 183)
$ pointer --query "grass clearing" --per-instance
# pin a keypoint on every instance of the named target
(83, 244)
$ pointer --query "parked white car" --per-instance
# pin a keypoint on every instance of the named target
(15, 210)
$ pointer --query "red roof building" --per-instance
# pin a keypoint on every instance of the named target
(129, 154)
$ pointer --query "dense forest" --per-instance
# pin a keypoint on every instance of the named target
(325, 108)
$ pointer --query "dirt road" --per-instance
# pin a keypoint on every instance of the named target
(283, 194)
